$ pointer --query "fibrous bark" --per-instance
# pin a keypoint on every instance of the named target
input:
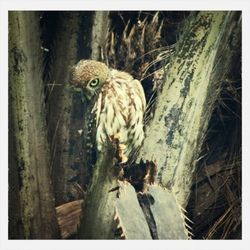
(62, 130)
(30, 155)
(99, 33)
(98, 215)
(184, 107)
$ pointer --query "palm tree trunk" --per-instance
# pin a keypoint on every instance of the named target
(30, 189)
(203, 58)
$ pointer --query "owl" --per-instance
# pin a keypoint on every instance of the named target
(116, 102)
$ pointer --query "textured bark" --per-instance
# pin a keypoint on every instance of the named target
(202, 59)
(60, 105)
(68, 216)
(99, 213)
(30, 156)
(99, 33)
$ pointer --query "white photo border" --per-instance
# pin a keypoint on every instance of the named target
(167, 5)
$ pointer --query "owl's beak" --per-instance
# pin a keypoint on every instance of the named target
(89, 93)
(87, 96)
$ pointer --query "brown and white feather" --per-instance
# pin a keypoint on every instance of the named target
(118, 104)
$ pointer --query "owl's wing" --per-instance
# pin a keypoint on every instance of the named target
(119, 110)
(136, 114)
(140, 93)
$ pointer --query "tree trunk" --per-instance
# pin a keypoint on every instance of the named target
(192, 84)
(99, 33)
(30, 155)
(98, 215)
(62, 130)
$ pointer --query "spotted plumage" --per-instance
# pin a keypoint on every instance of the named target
(116, 101)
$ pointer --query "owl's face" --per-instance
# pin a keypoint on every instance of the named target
(89, 75)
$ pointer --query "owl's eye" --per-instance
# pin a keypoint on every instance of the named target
(94, 82)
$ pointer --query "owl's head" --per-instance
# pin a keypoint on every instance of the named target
(89, 75)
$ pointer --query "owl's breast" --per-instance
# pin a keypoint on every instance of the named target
(119, 109)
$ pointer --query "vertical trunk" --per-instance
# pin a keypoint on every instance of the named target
(99, 34)
(30, 156)
(60, 104)
(99, 212)
(203, 57)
